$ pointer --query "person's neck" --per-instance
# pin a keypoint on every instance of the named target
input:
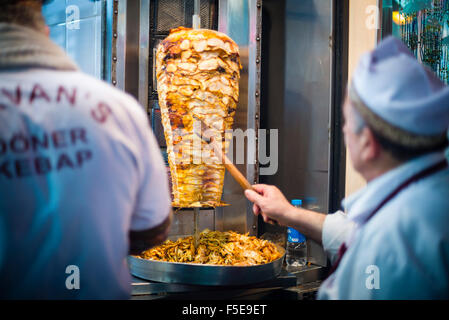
(23, 47)
(379, 167)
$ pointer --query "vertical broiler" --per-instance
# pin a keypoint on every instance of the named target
(198, 72)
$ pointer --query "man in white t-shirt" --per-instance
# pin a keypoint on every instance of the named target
(82, 181)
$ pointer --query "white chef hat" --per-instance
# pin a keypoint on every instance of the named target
(399, 97)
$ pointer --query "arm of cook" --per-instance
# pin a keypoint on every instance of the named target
(336, 229)
(330, 230)
(152, 216)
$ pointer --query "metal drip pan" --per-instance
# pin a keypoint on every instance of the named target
(203, 274)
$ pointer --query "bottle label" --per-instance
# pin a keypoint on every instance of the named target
(294, 236)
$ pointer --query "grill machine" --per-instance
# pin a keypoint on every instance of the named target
(298, 44)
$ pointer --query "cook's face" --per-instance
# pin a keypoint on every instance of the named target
(350, 135)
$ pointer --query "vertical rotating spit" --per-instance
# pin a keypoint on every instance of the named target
(196, 232)
(196, 24)
(166, 15)
(192, 221)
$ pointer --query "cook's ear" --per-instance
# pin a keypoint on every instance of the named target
(369, 147)
(47, 31)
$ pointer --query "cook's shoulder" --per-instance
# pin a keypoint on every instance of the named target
(420, 213)
(410, 250)
(416, 221)
(426, 200)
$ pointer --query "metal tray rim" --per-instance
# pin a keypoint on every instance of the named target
(203, 274)
(208, 265)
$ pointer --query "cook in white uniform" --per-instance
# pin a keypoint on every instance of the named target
(82, 180)
(392, 240)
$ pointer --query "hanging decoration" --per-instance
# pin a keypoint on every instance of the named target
(413, 6)
(426, 32)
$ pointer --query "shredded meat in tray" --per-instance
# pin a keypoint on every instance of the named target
(216, 248)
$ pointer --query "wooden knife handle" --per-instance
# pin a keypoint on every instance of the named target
(236, 174)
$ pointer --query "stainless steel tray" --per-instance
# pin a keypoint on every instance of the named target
(203, 274)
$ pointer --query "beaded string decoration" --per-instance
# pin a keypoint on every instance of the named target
(423, 31)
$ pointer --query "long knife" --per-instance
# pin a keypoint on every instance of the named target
(235, 173)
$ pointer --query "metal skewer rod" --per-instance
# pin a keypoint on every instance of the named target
(196, 21)
(196, 24)
(196, 231)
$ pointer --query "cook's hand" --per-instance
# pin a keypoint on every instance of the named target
(270, 202)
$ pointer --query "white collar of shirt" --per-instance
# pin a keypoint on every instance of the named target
(362, 203)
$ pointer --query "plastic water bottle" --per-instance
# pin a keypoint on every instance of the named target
(296, 255)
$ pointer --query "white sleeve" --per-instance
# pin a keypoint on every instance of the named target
(153, 200)
(336, 229)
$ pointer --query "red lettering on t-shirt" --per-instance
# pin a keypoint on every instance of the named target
(59, 139)
(15, 97)
(19, 143)
(23, 168)
(39, 142)
(83, 156)
(78, 134)
(43, 165)
(4, 170)
(64, 161)
(71, 98)
(38, 93)
(3, 147)
(101, 113)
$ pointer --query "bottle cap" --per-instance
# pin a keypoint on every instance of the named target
(294, 236)
(297, 202)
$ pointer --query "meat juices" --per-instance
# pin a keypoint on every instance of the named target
(197, 79)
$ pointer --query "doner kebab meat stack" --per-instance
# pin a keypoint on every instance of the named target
(198, 72)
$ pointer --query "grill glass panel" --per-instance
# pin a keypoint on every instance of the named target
(171, 14)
